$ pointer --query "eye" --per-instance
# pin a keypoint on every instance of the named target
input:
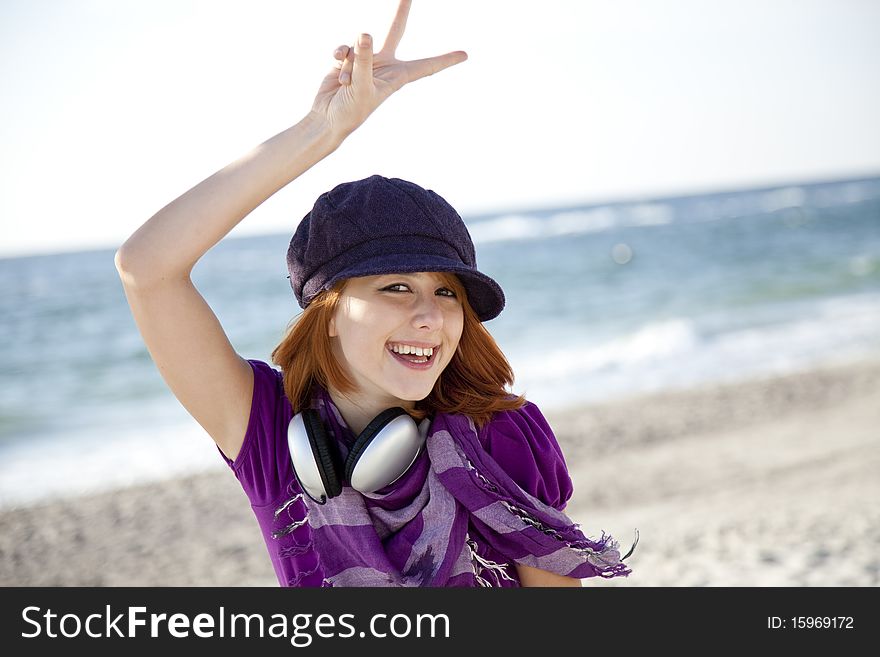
(390, 288)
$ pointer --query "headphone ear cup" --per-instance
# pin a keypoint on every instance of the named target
(384, 452)
(363, 441)
(325, 455)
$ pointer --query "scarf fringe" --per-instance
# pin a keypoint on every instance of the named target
(294, 550)
(485, 564)
(483, 481)
(300, 576)
(281, 508)
(603, 554)
(292, 526)
(297, 548)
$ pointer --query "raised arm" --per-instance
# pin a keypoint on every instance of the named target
(184, 337)
(176, 237)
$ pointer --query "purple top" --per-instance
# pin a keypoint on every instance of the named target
(520, 441)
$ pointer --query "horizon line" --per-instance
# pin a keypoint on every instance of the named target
(644, 197)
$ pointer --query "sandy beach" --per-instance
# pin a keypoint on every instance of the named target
(772, 482)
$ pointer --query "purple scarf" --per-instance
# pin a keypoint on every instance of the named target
(426, 529)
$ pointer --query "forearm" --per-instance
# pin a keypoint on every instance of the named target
(175, 238)
(529, 576)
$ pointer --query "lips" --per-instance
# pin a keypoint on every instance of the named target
(428, 364)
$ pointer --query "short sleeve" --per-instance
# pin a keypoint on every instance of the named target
(263, 463)
(522, 442)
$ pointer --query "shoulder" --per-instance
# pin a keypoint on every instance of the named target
(522, 442)
(267, 409)
(524, 426)
(266, 372)
(261, 463)
(268, 397)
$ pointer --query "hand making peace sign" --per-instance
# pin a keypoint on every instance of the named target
(361, 79)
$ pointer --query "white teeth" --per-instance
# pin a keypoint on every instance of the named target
(407, 349)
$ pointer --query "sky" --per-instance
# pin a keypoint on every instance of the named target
(112, 109)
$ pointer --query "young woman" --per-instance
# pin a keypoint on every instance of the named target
(385, 452)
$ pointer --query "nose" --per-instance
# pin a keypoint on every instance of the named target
(427, 313)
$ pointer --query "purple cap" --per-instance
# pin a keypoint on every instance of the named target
(384, 225)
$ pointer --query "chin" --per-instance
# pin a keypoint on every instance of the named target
(414, 397)
(413, 393)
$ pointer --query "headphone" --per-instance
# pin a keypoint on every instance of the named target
(381, 454)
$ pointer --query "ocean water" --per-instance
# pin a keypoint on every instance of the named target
(602, 302)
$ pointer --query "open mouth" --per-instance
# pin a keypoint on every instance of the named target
(414, 361)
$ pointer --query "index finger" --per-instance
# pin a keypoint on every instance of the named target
(420, 68)
(398, 25)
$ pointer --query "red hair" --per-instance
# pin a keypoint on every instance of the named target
(472, 384)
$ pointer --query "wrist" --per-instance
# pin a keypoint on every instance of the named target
(322, 130)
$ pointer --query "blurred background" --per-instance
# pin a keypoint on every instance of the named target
(680, 199)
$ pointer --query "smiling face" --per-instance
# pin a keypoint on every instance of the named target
(377, 313)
